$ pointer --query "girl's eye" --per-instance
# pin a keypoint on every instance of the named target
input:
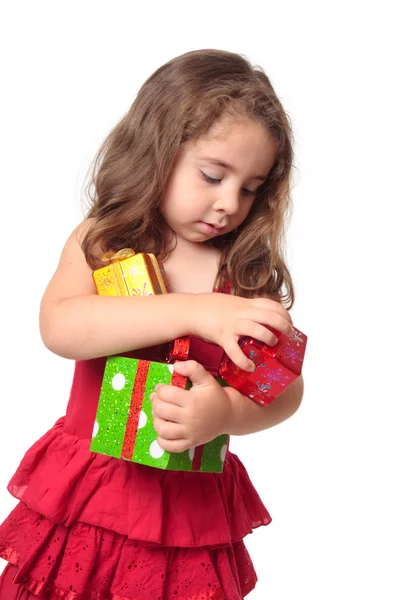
(209, 179)
(248, 192)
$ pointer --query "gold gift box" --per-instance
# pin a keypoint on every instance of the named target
(130, 274)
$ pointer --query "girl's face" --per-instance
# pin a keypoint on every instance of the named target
(213, 183)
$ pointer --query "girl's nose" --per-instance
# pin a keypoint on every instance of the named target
(227, 201)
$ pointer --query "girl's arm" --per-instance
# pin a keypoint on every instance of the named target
(248, 417)
(76, 323)
(187, 418)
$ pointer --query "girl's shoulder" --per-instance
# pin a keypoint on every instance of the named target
(73, 276)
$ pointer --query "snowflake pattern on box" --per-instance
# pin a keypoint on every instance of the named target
(296, 337)
(291, 354)
(133, 270)
(136, 275)
(143, 291)
(274, 376)
(104, 281)
(276, 367)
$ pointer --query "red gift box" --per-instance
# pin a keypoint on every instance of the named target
(276, 366)
(191, 347)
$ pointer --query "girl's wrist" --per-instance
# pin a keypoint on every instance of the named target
(181, 313)
(182, 305)
(194, 310)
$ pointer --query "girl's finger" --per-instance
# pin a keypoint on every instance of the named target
(166, 411)
(268, 304)
(270, 319)
(194, 370)
(168, 430)
(171, 394)
(257, 331)
(173, 445)
(238, 357)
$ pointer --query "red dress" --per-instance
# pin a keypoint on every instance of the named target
(93, 527)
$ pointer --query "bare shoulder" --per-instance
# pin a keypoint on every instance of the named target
(73, 275)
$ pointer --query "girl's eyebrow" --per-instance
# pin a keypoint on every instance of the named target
(221, 163)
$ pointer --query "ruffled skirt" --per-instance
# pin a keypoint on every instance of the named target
(99, 528)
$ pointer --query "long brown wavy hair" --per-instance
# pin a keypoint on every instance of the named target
(178, 103)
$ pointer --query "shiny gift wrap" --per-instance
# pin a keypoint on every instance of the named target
(124, 427)
(130, 274)
(276, 366)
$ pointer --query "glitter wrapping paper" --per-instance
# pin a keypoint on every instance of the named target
(130, 274)
(276, 366)
(124, 427)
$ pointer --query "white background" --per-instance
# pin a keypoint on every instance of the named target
(328, 475)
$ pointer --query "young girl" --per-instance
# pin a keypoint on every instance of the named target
(197, 172)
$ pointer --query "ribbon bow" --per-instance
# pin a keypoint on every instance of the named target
(116, 256)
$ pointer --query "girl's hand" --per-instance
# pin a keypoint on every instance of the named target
(184, 419)
(223, 319)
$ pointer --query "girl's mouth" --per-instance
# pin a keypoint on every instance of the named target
(210, 229)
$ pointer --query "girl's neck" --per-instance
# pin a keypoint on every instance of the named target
(192, 267)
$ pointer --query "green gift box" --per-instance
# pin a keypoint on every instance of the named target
(124, 427)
